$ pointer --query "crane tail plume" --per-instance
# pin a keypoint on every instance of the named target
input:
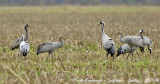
(39, 48)
(25, 53)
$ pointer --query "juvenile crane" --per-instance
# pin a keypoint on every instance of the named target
(50, 47)
(16, 43)
(23, 48)
(107, 42)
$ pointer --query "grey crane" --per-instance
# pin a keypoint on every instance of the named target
(133, 42)
(23, 48)
(126, 49)
(50, 47)
(16, 43)
(146, 41)
(107, 42)
(136, 41)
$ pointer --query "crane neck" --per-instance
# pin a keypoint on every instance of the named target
(122, 40)
(22, 38)
(61, 41)
(141, 35)
(26, 36)
(103, 29)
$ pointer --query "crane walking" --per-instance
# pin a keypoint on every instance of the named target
(24, 47)
(50, 47)
(107, 42)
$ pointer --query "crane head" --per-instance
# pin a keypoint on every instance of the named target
(60, 38)
(27, 25)
(141, 31)
(101, 22)
(118, 33)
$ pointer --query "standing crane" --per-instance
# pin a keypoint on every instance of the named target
(127, 49)
(50, 47)
(146, 41)
(16, 43)
(23, 48)
(107, 42)
(135, 41)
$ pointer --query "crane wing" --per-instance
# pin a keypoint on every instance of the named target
(50, 44)
(16, 43)
(147, 41)
(135, 41)
(46, 47)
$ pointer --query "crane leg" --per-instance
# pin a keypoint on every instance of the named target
(132, 55)
(18, 55)
(52, 58)
(150, 50)
(107, 55)
(128, 55)
(47, 57)
(21, 56)
(139, 56)
(24, 57)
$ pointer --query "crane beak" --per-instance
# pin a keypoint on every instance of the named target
(29, 26)
(117, 34)
(98, 24)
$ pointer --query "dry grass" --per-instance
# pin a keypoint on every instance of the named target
(82, 55)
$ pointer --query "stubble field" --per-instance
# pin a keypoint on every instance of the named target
(82, 58)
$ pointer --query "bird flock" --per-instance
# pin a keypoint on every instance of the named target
(131, 44)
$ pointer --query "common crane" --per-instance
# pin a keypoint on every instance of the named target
(107, 42)
(50, 47)
(146, 41)
(133, 42)
(23, 48)
(16, 43)
(136, 41)
(126, 49)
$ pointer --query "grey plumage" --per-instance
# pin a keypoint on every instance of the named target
(146, 41)
(50, 47)
(127, 49)
(16, 43)
(133, 42)
(107, 42)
